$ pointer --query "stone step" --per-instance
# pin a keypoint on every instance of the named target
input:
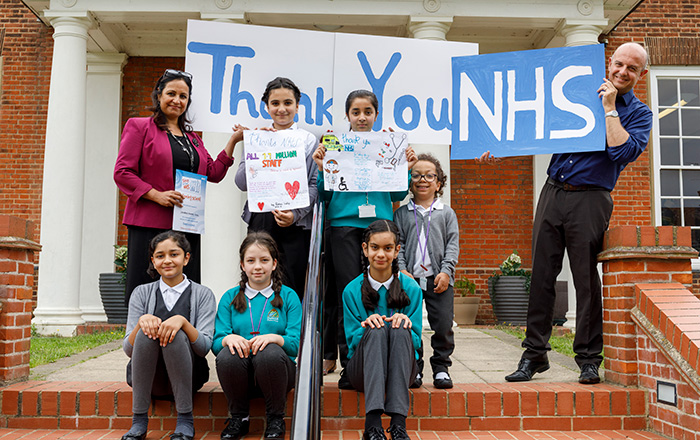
(466, 407)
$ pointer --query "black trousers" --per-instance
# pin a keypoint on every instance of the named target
(140, 260)
(575, 221)
(345, 249)
(441, 311)
(293, 242)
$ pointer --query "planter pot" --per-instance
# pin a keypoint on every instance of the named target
(112, 294)
(509, 300)
(466, 308)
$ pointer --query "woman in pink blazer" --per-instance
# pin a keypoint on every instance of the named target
(151, 150)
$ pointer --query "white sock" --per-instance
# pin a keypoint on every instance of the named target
(442, 375)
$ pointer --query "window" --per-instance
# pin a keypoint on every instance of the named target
(675, 99)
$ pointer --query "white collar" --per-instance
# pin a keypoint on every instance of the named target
(436, 205)
(376, 284)
(179, 288)
(251, 293)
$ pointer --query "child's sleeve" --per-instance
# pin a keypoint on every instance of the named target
(223, 325)
(321, 187)
(311, 172)
(138, 306)
(206, 310)
(293, 330)
(353, 315)
(400, 220)
(451, 245)
(414, 310)
(241, 179)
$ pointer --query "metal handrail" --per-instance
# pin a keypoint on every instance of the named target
(306, 419)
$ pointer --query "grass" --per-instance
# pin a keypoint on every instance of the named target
(560, 344)
(47, 349)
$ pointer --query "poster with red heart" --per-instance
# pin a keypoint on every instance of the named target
(276, 171)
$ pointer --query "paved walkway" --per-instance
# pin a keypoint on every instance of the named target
(482, 355)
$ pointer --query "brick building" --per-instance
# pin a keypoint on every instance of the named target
(57, 164)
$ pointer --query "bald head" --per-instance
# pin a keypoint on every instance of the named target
(627, 65)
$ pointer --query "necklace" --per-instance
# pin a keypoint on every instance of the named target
(186, 147)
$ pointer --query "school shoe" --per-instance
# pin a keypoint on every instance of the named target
(275, 427)
(398, 432)
(181, 436)
(417, 382)
(344, 382)
(526, 369)
(589, 374)
(373, 433)
(134, 436)
(442, 381)
(328, 366)
(235, 428)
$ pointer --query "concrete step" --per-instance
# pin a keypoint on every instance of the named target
(98, 434)
(466, 407)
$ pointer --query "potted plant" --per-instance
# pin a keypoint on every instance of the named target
(510, 291)
(112, 288)
(466, 303)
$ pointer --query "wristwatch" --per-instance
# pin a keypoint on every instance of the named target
(612, 113)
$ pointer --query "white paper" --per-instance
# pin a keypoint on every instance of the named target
(190, 217)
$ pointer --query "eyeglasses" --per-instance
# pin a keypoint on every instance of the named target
(173, 72)
(428, 177)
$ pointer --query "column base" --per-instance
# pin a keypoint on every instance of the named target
(93, 314)
(61, 322)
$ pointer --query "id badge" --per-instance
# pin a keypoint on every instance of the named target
(423, 283)
(367, 211)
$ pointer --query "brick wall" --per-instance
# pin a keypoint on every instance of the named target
(24, 101)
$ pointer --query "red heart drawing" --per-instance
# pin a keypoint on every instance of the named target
(260, 205)
(292, 189)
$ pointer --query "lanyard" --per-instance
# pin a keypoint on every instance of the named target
(187, 149)
(252, 325)
(427, 234)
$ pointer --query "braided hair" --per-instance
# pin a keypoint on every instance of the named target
(396, 296)
(264, 240)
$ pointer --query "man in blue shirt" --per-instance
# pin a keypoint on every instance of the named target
(573, 213)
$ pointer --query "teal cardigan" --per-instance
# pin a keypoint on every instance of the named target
(354, 311)
(285, 322)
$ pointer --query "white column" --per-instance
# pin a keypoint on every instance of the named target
(225, 229)
(58, 304)
(577, 33)
(101, 202)
(433, 28)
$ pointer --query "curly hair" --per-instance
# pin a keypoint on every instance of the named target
(158, 117)
(264, 240)
(441, 176)
(396, 296)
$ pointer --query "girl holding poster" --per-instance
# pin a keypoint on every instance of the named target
(291, 229)
(258, 325)
(150, 151)
(349, 213)
(383, 327)
(168, 333)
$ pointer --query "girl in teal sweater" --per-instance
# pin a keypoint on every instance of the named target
(256, 340)
(382, 309)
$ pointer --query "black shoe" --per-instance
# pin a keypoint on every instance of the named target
(128, 436)
(373, 433)
(235, 428)
(275, 427)
(398, 433)
(589, 374)
(417, 382)
(527, 369)
(344, 382)
(181, 436)
(443, 384)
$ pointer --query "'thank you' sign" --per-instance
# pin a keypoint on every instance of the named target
(530, 102)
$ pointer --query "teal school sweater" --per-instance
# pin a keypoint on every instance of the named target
(355, 312)
(285, 322)
(343, 207)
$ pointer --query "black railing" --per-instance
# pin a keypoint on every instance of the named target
(306, 419)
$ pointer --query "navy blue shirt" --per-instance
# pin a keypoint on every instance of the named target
(602, 168)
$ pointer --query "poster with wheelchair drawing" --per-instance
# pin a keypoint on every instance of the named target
(360, 162)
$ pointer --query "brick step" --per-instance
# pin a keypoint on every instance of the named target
(467, 407)
(12, 434)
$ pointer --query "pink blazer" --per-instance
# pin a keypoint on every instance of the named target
(145, 161)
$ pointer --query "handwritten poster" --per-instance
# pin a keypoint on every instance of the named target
(359, 162)
(531, 102)
(190, 217)
(276, 170)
